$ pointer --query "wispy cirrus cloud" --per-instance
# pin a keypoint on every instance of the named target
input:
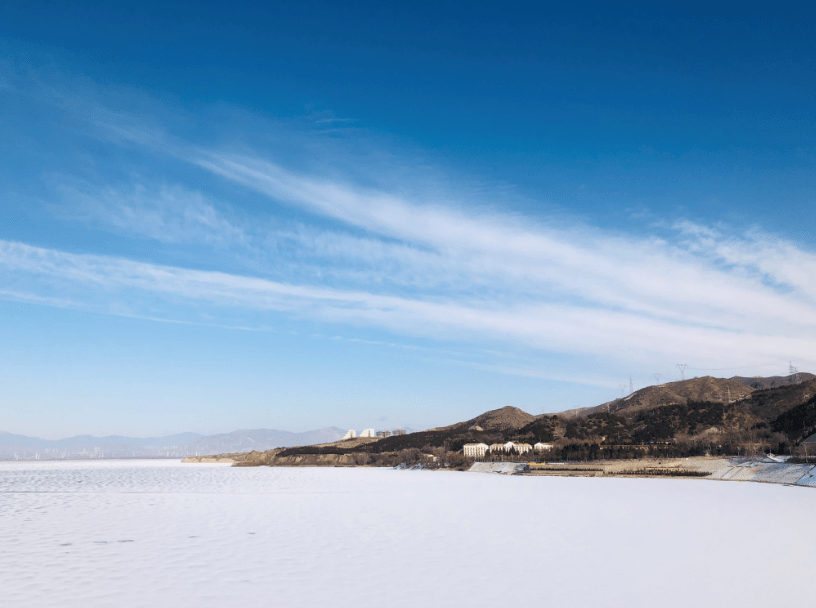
(438, 264)
(692, 280)
(552, 326)
(171, 214)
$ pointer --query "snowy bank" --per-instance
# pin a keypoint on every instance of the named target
(101, 534)
(503, 468)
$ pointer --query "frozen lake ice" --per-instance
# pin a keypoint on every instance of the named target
(162, 533)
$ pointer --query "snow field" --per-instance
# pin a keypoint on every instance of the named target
(160, 533)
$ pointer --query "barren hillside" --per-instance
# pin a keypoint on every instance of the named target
(769, 403)
(696, 389)
(505, 418)
(773, 381)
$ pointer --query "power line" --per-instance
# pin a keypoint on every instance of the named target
(723, 369)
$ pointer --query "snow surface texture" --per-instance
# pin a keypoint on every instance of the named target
(767, 470)
(134, 534)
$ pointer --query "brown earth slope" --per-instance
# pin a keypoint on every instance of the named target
(502, 419)
(671, 393)
(760, 383)
(770, 403)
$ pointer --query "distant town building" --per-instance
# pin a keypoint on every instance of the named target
(496, 447)
(523, 448)
(383, 433)
(368, 433)
(540, 447)
(475, 427)
(399, 432)
(350, 435)
(475, 450)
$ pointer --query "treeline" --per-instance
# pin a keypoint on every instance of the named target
(596, 451)
(799, 422)
(428, 457)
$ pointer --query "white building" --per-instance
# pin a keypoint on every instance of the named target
(350, 435)
(475, 450)
(521, 448)
(368, 433)
(540, 447)
(496, 447)
(383, 433)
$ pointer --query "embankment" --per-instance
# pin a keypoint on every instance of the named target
(762, 470)
(271, 458)
(765, 470)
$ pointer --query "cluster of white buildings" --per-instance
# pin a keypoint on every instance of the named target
(479, 450)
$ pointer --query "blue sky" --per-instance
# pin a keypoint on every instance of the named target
(299, 215)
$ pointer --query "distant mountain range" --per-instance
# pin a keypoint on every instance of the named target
(180, 445)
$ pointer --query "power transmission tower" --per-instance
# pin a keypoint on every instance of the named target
(657, 377)
(682, 367)
(794, 373)
(623, 388)
(631, 389)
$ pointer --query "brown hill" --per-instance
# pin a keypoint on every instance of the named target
(759, 382)
(769, 403)
(502, 419)
(671, 393)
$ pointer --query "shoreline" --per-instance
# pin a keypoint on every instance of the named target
(757, 469)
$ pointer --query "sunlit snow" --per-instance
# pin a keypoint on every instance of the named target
(162, 533)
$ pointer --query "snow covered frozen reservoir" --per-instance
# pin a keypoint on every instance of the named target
(133, 534)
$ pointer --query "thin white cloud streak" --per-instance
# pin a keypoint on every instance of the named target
(574, 377)
(170, 214)
(781, 263)
(648, 276)
(441, 244)
(553, 327)
(483, 274)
